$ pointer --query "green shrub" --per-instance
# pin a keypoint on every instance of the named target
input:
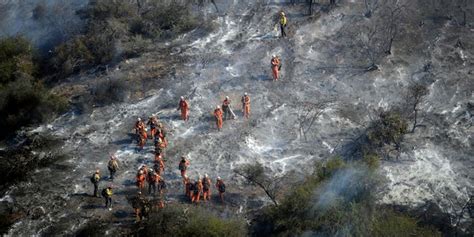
(16, 56)
(389, 223)
(371, 160)
(192, 221)
(118, 29)
(388, 129)
(72, 55)
(103, 10)
(327, 169)
(24, 102)
(311, 209)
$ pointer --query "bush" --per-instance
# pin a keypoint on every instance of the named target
(39, 12)
(24, 102)
(337, 200)
(72, 56)
(327, 169)
(388, 129)
(389, 223)
(16, 56)
(120, 23)
(23, 99)
(109, 91)
(83, 52)
(195, 221)
(94, 228)
(371, 160)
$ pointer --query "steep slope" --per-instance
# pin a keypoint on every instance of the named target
(435, 163)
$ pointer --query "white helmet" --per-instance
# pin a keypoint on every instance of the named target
(139, 119)
(227, 97)
(205, 175)
(245, 93)
(274, 56)
(218, 107)
(218, 178)
(182, 97)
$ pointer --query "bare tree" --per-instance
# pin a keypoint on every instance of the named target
(467, 207)
(371, 44)
(255, 175)
(307, 114)
(414, 96)
(393, 12)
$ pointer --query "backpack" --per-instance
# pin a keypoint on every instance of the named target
(93, 180)
(104, 192)
(222, 188)
(182, 166)
(162, 184)
(205, 184)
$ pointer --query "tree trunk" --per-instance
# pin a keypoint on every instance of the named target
(389, 47)
(415, 120)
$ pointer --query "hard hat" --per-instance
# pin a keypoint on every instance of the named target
(182, 97)
(227, 97)
(139, 119)
(205, 175)
(283, 13)
(218, 178)
(139, 192)
(97, 171)
(141, 172)
(218, 107)
(245, 93)
(274, 56)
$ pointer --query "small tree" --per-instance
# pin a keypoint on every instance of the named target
(388, 129)
(393, 12)
(415, 95)
(255, 175)
(371, 46)
(308, 112)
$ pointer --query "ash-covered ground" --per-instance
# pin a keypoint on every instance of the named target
(319, 64)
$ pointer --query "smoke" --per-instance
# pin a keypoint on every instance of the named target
(45, 23)
(351, 184)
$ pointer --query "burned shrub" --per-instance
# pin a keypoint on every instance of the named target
(109, 91)
(39, 12)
